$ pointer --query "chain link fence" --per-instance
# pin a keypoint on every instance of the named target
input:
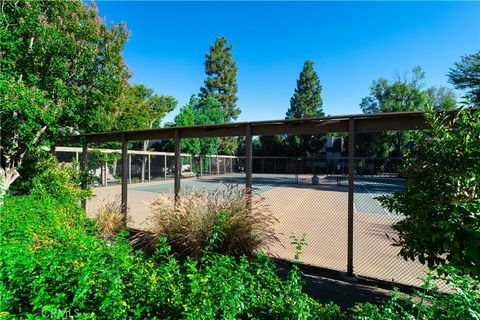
(322, 186)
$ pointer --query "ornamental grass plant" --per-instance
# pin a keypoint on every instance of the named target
(247, 226)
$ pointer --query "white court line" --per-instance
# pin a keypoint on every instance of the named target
(373, 197)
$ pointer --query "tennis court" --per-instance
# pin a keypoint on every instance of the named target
(317, 210)
(367, 188)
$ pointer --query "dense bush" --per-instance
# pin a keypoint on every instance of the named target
(246, 224)
(441, 200)
(53, 265)
(429, 303)
(58, 181)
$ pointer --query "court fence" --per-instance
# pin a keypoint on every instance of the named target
(327, 188)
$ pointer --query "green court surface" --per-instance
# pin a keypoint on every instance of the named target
(261, 183)
(366, 188)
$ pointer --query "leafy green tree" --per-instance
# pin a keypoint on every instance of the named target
(25, 115)
(139, 108)
(402, 95)
(186, 117)
(306, 102)
(203, 111)
(61, 54)
(441, 199)
(207, 112)
(65, 49)
(465, 75)
(221, 82)
(442, 97)
(397, 96)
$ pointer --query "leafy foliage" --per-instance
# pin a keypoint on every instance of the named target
(58, 181)
(53, 266)
(139, 108)
(429, 303)
(25, 115)
(203, 111)
(465, 75)
(61, 72)
(401, 95)
(441, 199)
(66, 50)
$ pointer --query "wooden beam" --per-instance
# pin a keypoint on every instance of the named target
(165, 167)
(399, 123)
(129, 168)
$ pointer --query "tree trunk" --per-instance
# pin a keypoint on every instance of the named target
(7, 177)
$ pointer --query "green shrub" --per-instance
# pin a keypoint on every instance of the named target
(246, 228)
(441, 199)
(429, 303)
(58, 181)
(53, 265)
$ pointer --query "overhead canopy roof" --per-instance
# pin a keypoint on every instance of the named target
(363, 123)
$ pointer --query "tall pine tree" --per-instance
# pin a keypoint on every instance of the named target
(221, 82)
(465, 75)
(306, 102)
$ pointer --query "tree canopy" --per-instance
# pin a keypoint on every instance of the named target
(221, 82)
(140, 108)
(67, 63)
(66, 50)
(404, 94)
(306, 101)
(465, 75)
(25, 114)
(200, 111)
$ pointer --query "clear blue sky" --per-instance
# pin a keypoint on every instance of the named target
(350, 43)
